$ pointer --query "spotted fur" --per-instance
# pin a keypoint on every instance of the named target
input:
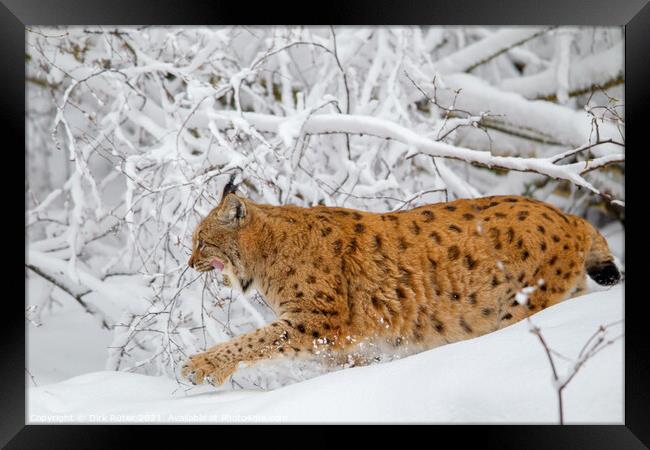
(403, 281)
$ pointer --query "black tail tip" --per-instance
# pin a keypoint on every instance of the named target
(605, 273)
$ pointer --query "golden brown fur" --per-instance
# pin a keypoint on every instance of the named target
(403, 281)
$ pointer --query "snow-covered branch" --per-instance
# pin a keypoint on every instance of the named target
(595, 71)
(468, 58)
(380, 128)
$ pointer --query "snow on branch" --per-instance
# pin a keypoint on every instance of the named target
(595, 71)
(384, 129)
(536, 120)
(488, 48)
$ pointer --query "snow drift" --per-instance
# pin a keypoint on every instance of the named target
(502, 377)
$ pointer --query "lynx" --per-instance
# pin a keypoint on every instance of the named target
(340, 279)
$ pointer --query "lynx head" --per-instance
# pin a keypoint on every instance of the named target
(216, 239)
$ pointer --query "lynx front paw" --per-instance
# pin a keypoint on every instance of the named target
(208, 367)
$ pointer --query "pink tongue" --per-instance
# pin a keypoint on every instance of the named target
(217, 264)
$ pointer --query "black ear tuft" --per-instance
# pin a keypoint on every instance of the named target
(230, 187)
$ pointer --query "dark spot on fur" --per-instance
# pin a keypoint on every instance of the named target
(450, 208)
(337, 245)
(405, 275)
(511, 235)
(471, 298)
(299, 294)
(455, 296)
(542, 246)
(486, 311)
(291, 271)
(525, 255)
(453, 252)
(311, 279)
(500, 215)
(315, 334)
(470, 262)
(520, 243)
(552, 260)
(359, 228)
(565, 247)
(465, 326)
(301, 328)
(495, 281)
(468, 216)
(435, 236)
(356, 216)
(428, 216)
(555, 238)
(522, 275)
(400, 293)
(455, 228)
(415, 228)
(511, 200)
(403, 245)
(377, 241)
(522, 215)
(507, 316)
(541, 229)
(326, 231)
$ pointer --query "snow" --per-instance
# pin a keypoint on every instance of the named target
(595, 69)
(68, 341)
(493, 45)
(502, 377)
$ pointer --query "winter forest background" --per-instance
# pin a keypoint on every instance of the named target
(133, 132)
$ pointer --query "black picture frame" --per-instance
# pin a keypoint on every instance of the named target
(633, 14)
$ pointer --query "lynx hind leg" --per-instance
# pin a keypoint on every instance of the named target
(218, 363)
(580, 287)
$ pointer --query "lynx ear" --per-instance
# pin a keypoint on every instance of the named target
(232, 210)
